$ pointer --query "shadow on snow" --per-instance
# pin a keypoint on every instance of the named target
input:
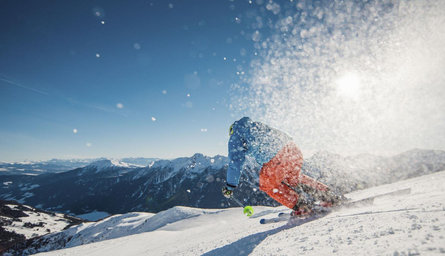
(246, 245)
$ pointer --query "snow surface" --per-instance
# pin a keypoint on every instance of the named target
(118, 226)
(401, 225)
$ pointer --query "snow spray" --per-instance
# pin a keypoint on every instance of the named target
(349, 77)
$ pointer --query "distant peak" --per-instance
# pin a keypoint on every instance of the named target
(198, 155)
(197, 162)
(109, 163)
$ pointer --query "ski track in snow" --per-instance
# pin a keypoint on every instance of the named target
(411, 224)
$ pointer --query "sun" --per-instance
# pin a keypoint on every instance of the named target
(348, 86)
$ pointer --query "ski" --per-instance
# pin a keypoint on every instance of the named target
(286, 216)
(281, 217)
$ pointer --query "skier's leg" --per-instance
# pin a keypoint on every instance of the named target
(311, 183)
(281, 179)
(319, 191)
(285, 166)
(292, 179)
(270, 182)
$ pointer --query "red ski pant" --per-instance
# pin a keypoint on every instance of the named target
(285, 168)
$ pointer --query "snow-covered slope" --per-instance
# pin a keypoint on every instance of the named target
(402, 225)
(21, 223)
(114, 227)
(35, 223)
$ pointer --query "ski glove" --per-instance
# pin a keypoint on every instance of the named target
(227, 193)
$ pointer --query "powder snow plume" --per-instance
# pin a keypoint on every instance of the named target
(350, 76)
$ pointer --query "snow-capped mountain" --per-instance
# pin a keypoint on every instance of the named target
(63, 165)
(163, 170)
(40, 167)
(107, 164)
(113, 187)
(19, 224)
(410, 224)
(140, 161)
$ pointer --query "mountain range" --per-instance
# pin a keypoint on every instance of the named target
(113, 186)
(61, 165)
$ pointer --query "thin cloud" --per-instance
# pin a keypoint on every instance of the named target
(23, 87)
(103, 108)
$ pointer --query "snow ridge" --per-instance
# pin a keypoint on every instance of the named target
(116, 226)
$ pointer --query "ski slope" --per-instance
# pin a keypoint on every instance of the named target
(401, 225)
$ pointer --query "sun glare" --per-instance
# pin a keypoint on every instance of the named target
(348, 86)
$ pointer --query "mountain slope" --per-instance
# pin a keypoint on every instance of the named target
(410, 224)
(21, 223)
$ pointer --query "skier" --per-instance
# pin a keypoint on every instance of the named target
(281, 160)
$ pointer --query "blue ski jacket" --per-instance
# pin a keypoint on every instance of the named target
(254, 139)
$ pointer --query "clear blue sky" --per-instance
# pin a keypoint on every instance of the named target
(158, 78)
(105, 68)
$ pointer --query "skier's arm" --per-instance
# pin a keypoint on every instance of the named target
(237, 156)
